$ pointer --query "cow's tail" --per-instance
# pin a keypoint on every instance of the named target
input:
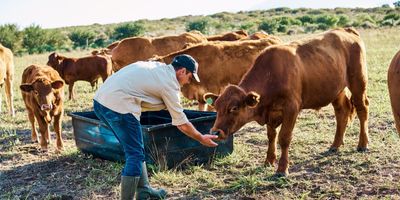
(350, 103)
(352, 30)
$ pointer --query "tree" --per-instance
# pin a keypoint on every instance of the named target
(10, 37)
(201, 25)
(34, 39)
(128, 30)
(82, 38)
(396, 4)
(268, 26)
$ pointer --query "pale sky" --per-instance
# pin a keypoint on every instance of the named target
(56, 13)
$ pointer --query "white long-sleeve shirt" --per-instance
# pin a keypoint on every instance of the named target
(143, 86)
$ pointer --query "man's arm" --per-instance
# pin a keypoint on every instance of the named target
(192, 132)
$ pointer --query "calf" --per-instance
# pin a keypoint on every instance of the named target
(88, 69)
(43, 93)
(6, 77)
(305, 74)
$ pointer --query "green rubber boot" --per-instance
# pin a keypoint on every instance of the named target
(144, 191)
(128, 187)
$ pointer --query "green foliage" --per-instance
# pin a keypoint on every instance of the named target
(306, 19)
(343, 21)
(327, 21)
(397, 4)
(128, 30)
(82, 38)
(10, 36)
(269, 26)
(201, 25)
(34, 39)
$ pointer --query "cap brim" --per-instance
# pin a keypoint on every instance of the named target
(196, 77)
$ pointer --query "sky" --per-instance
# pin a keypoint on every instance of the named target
(56, 13)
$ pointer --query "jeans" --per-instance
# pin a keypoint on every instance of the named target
(128, 131)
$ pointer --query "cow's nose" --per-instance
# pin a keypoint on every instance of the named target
(46, 107)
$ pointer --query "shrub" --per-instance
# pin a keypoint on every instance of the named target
(201, 25)
(327, 21)
(306, 19)
(129, 30)
(268, 26)
(34, 39)
(82, 38)
(343, 21)
(10, 37)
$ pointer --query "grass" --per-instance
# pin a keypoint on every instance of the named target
(314, 173)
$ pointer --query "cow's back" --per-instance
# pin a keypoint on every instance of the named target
(304, 68)
(86, 68)
(394, 92)
(220, 63)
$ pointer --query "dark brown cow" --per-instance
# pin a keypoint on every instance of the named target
(306, 74)
(135, 49)
(6, 77)
(231, 36)
(43, 93)
(394, 91)
(88, 69)
(220, 63)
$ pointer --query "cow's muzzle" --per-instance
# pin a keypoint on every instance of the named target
(46, 107)
(218, 132)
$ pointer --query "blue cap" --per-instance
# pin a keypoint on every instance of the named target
(188, 62)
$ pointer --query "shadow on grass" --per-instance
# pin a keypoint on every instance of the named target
(61, 177)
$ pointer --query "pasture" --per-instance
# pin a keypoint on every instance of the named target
(25, 173)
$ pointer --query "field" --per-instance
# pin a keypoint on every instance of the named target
(25, 173)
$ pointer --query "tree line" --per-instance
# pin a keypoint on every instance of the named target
(34, 39)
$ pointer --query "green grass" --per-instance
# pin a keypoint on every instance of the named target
(314, 174)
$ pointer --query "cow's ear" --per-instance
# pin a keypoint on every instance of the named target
(26, 87)
(252, 99)
(210, 98)
(57, 84)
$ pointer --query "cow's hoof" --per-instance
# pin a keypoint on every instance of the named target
(279, 175)
(333, 150)
(362, 149)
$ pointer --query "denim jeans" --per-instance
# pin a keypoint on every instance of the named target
(128, 131)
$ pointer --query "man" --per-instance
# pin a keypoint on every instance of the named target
(138, 87)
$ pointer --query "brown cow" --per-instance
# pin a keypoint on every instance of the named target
(394, 92)
(220, 63)
(306, 74)
(6, 77)
(258, 35)
(134, 49)
(231, 36)
(88, 69)
(43, 93)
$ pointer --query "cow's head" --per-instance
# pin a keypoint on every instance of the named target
(55, 60)
(233, 108)
(43, 92)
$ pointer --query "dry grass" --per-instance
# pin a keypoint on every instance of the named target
(314, 174)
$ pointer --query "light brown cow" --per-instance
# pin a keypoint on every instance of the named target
(89, 69)
(134, 49)
(43, 93)
(306, 74)
(231, 36)
(394, 91)
(220, 63)
(6, 77)
(258, 35)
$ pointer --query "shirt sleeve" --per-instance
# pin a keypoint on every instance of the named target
(171, 98)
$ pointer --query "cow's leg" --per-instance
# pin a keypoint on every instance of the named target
(0, 99)
(31, 118)
(43, 128)
(48, 136)
(9, 95)
(358, 86)
(71, 91)
(57, 128)
(343, 112)
(290, 113)
(271, 153)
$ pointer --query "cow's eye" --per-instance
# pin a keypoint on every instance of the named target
(234, 109)
(35, 92)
